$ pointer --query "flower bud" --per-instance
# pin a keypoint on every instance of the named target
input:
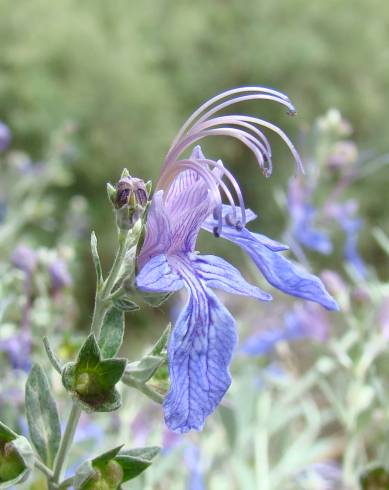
(130, 200)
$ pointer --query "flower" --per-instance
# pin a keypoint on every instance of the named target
(346, 215)
(303, 216)
(24, 258)
(5, 136)
(59, 275)
(303, 322)
(188, 198)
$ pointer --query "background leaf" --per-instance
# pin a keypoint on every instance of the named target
(42, 415)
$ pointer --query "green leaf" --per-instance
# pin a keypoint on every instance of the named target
(155, 299)
(96, 258)
(112, 331)
(376, 478)
(106, 457)
(145, 369)
(42, 415)
(51, 355)
(135, 461)
(125, 304)
(161, 343)
(6, 434)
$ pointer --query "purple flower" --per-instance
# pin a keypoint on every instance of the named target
(24, 258)
(188, 198)
(346, 215)
(18, 349)
(303, 216)
(305, 321)
(5, 136)
(59, 274)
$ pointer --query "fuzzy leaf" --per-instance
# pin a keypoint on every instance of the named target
(145, 369)
(42, 415)
(126, 305)
(112, 332)
(135, 461)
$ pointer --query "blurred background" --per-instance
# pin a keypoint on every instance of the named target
(95, 86)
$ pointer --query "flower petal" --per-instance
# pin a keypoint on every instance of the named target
(219, 274)
(158, 234)
(280, 272)
(157, 276)
(199, 352)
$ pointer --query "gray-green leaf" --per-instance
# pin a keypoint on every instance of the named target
(135, 461)
(112, 332)
(42, 415)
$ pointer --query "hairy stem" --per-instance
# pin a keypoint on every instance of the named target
(100, 309)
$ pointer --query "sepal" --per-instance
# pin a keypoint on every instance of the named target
(113, 468)
(16, 458)
(92, 379)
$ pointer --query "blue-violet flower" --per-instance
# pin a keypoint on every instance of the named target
(188, 198)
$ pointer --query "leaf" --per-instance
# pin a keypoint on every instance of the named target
(135, 461)
(96, 258)
(106, 457)
(112, 331)
(145, 369)
(51, 355)
(126, 305)
(42, 415)
(375, 479)
(161, 343)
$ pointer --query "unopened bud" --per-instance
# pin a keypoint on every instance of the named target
(130, 200)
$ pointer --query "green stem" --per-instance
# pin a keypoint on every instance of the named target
(143, 388)
(43, 468)
(100, 309)
(66, 442)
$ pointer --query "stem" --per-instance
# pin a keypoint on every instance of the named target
(66, 442)
(43, 468)
(143, 388)
(66, 483)
(100, 309)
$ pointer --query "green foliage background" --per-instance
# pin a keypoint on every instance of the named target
(129, 73)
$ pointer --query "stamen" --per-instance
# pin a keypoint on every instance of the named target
(224, 95)
(219, 107)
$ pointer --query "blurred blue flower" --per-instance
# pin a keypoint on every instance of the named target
(192, 459)
(188, 198)
(346, 215)
(17, 348)
(303, 216)
(24, 258)
(5, 136)
(305, 321)
(60, 275)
